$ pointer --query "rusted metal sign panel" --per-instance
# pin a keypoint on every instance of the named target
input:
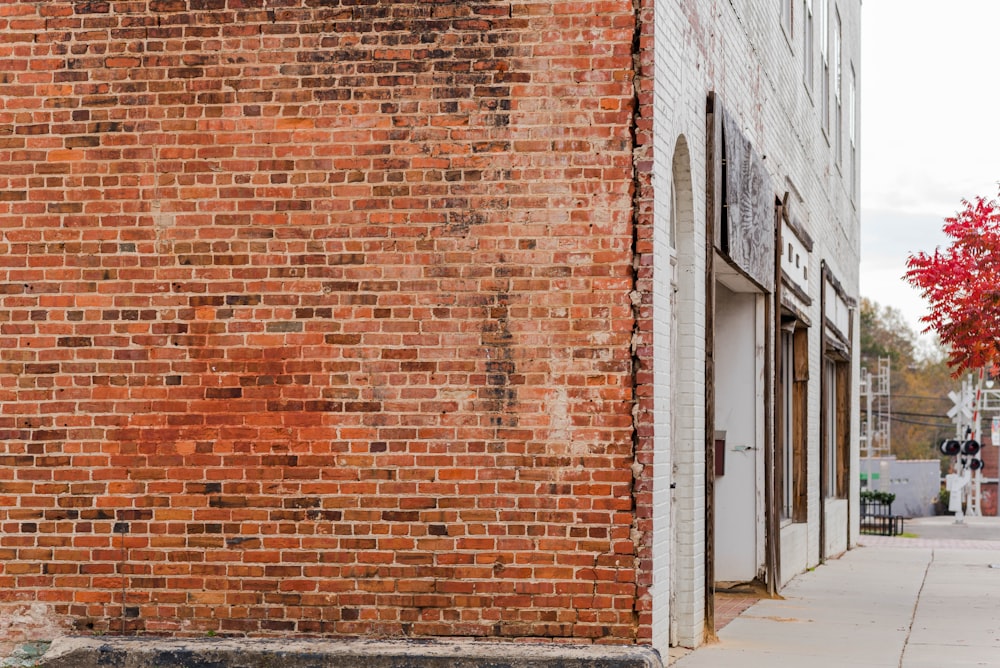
(748, 214)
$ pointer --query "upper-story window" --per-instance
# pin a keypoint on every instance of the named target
(852, 92)
(824, 54)
(807, 44)
(852, 129)
(838, 75)
(788, 17)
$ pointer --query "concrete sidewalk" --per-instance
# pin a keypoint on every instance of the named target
(894, 602)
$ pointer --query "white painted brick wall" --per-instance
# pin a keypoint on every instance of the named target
(738, 49)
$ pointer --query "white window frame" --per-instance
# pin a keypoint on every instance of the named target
(788, 18)
(788, 417)
(838, 76)
(852, 129)
(808, 45)
(830, 379)
(824, 52)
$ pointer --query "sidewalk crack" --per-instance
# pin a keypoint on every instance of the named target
(916, 604)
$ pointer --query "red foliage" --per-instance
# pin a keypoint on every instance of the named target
(962, 285)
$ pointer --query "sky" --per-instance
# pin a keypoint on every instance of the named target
(930, 131)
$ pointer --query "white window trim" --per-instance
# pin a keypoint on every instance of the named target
(808, 46)
(788, 20)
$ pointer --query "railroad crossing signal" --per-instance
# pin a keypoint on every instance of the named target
(962, 410)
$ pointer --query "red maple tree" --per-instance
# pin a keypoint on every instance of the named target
(962, 285)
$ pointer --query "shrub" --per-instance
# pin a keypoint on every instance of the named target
(878, 496)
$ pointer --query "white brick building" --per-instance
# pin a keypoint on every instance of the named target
(779, 81)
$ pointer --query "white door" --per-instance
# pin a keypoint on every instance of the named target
(736, 420)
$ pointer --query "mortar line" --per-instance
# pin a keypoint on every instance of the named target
(913, 615)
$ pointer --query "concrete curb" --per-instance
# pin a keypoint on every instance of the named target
(89, 652)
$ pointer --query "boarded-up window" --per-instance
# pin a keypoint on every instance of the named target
(836, 385)
(836, 443)
(792, 389)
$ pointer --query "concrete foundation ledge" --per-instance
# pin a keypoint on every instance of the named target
(105, 652)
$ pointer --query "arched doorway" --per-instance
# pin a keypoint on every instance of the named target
(675, 466)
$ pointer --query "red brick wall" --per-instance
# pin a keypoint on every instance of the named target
(988, 503)
(315, 317)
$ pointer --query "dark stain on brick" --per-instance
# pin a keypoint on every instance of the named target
(232, 501)
(170, 328)
(74, 341)
(340, 286)
(288, 326)
(306, 313)
(65, 207)
(100, 7)
(75, 502)
(46, 368)
(168, 6)
(206, 300)
(346, 258)
(324, 406)
(35, 129)
(203, 488)
(500, 394)
(459, 222)
(223, 392)
(230, 260)
(242, 300)
(302, 502)
(343, 339)
(86, 141)
(105, 126)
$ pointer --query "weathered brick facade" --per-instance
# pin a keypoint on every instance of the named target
(319, 316)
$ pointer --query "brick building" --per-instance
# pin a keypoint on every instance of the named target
(413, 318)
(989, 476)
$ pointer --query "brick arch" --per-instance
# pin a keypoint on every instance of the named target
(673, 230)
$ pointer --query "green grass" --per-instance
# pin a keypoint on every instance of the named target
(907, 534)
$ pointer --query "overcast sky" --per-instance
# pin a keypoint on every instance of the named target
(930, 131)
